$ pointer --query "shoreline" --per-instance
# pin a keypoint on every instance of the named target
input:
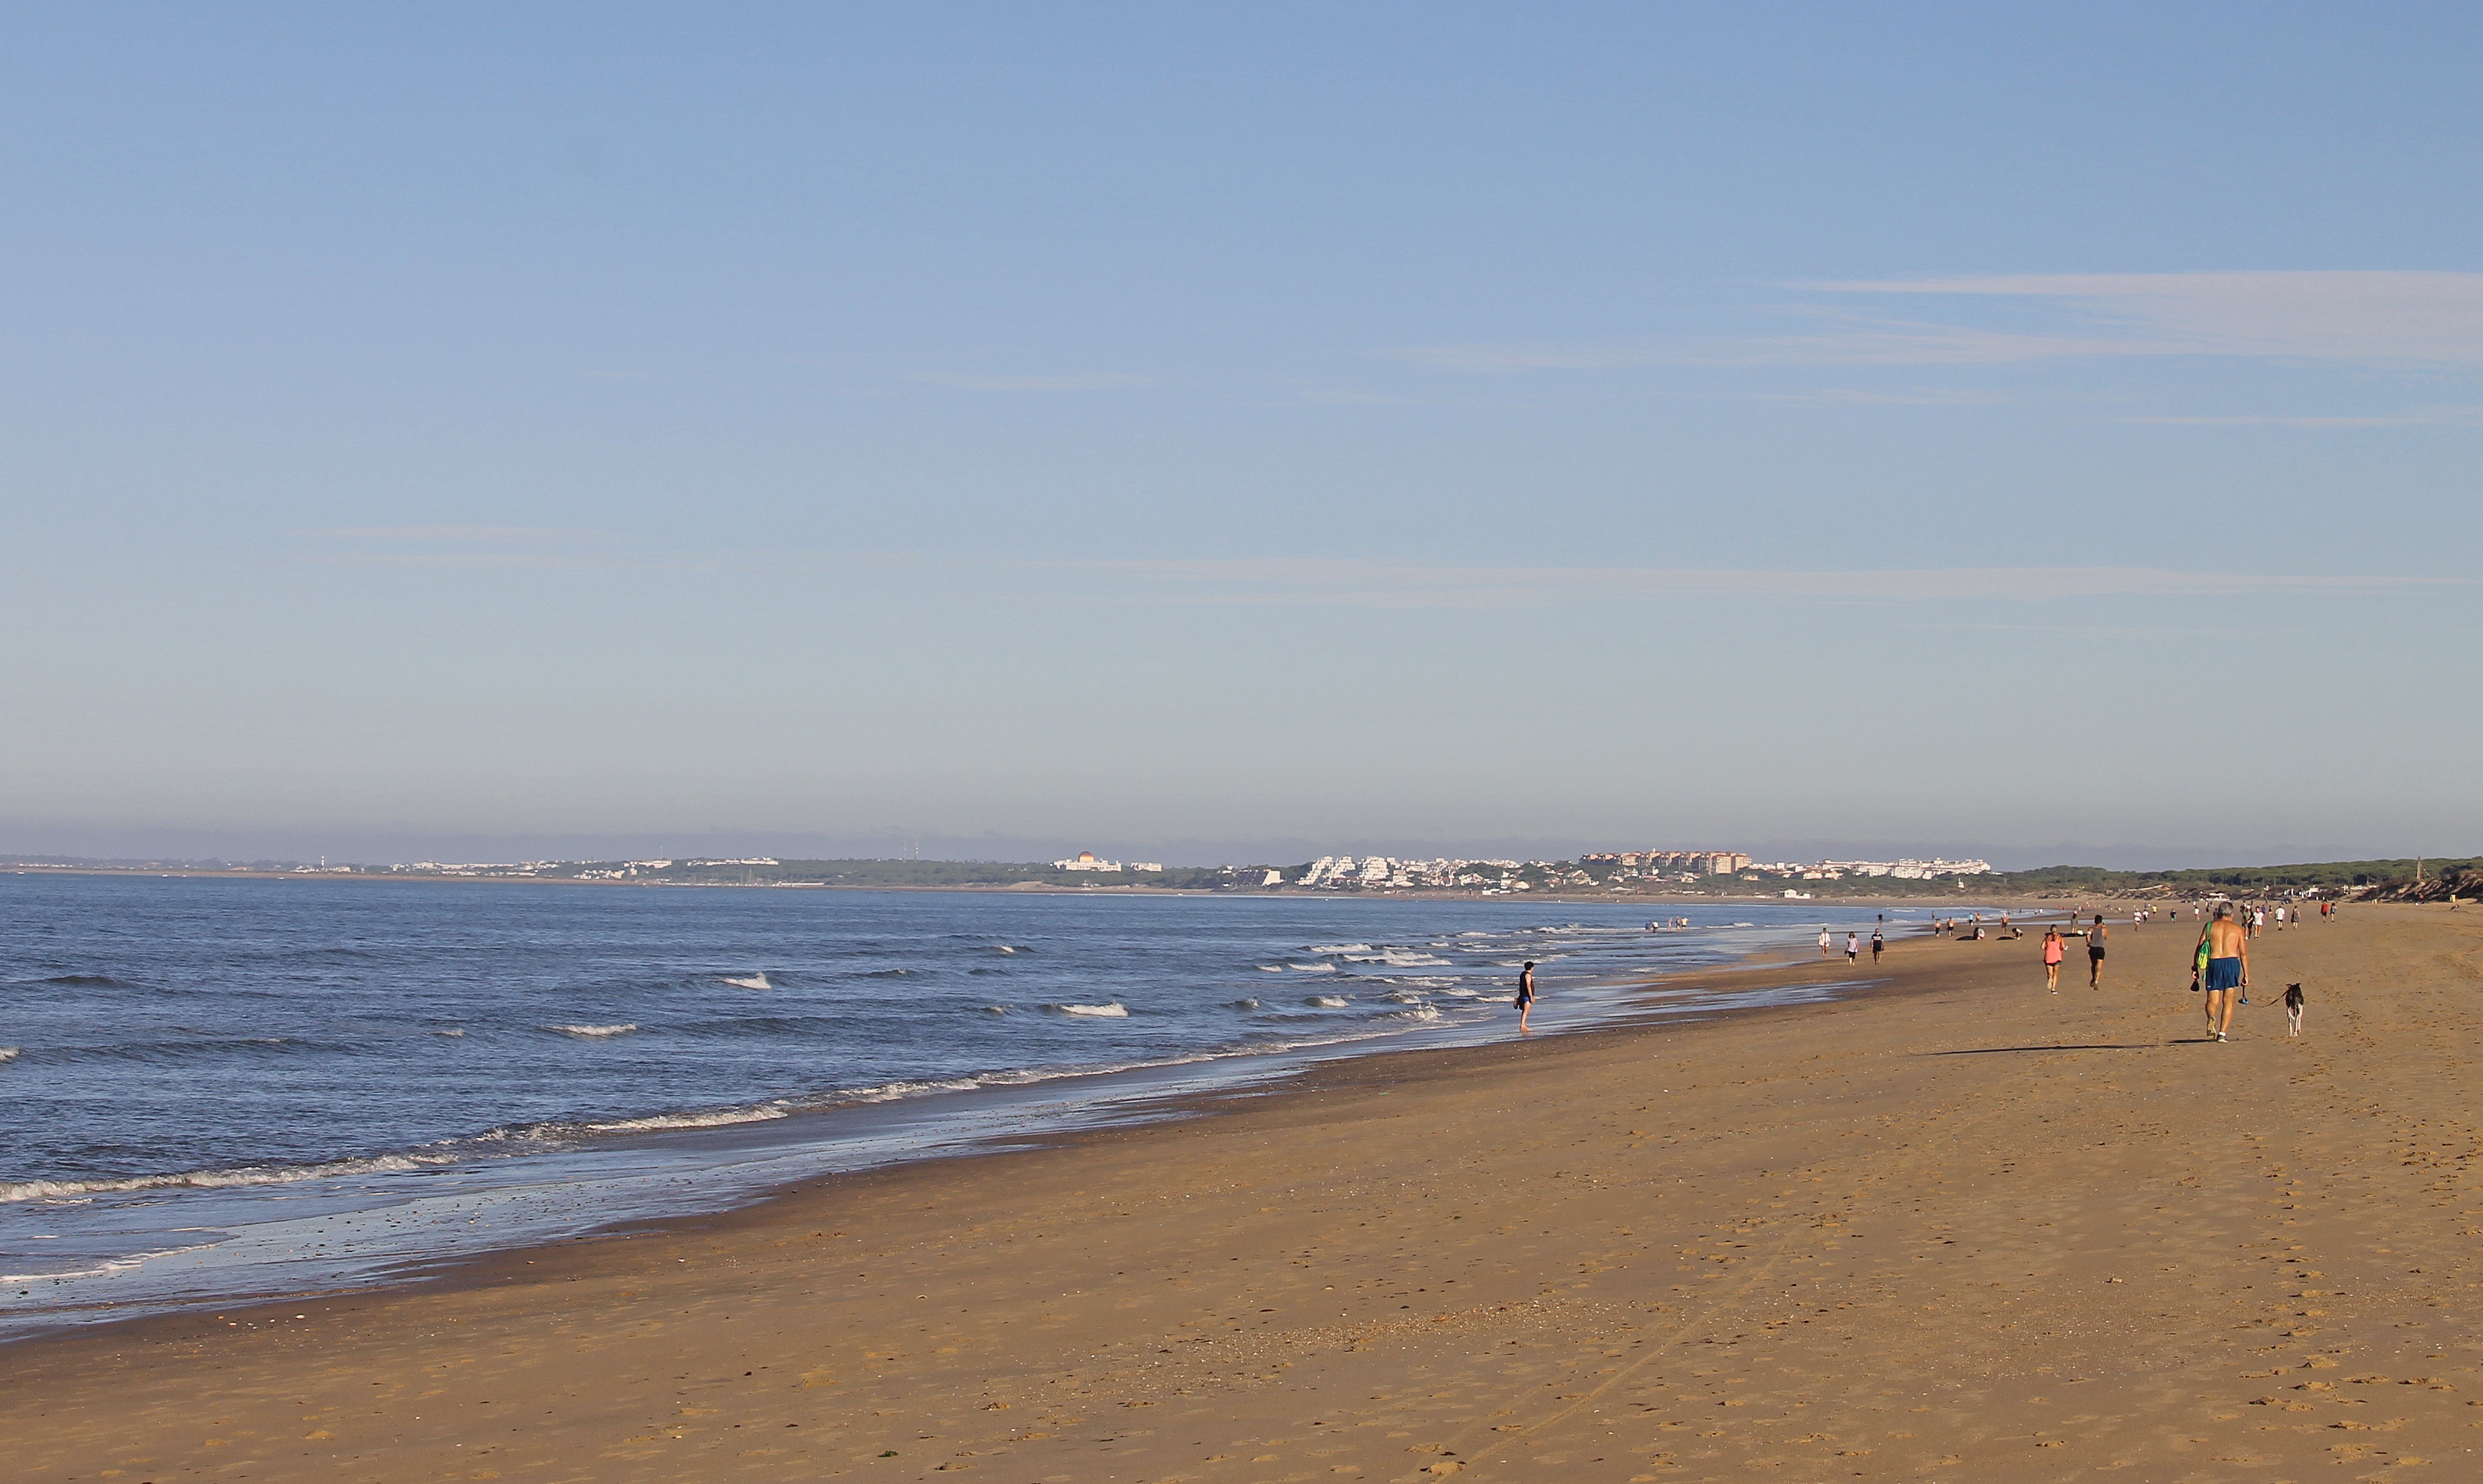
(1949, 1224)
(934, 1125)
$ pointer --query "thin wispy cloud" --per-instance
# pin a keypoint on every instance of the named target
(2372, 318)
(2425, 417)
(535, 547)
(1094, 381)
(1849, 396)
(1327, 580)
(2379, 317)
(1357, 583)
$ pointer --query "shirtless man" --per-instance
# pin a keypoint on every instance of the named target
(2227, 969)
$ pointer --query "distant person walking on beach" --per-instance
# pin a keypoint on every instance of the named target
(1525, 997)
(2054, 946)
(2227, 969)
(1877, 943)
(1824, 950)
(1852, 948)
(2095, 936)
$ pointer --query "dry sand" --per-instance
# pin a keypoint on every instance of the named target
(1955, 1227)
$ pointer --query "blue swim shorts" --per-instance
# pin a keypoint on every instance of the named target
(2224, 973)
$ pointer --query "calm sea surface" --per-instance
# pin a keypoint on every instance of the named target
(218, 1088)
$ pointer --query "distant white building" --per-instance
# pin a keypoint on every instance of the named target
(1088, 861)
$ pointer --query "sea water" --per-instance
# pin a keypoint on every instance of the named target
(223, 1087)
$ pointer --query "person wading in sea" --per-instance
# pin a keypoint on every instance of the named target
(1525, 996)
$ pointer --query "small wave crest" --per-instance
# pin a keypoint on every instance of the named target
(1338, 948)
(595, 1032)
(83, 980)
(1114, 1012)
(1398, 958)
(1244, 1004)
(1312, 968)
(719, 1118)
(1328, 1001)
(215, 1180)
(758, 981)
(10, 1053)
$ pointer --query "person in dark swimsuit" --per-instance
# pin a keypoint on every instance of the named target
(1525, 996)
(2094, 952)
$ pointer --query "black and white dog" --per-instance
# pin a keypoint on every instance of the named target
(2293, 1010)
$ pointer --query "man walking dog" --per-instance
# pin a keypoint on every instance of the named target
(2227, 969)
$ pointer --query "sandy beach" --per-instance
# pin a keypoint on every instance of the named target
(1952, 1227)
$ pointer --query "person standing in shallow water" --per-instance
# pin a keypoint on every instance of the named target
(1525, 997)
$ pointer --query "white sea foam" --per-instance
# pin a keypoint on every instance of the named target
(595, 1031)
(888, 1091)
(1312, 968)
(452, 1031)
(1328, 1001)
(1416, 1013)
(1400, 957)
(1245, 1005)
(758, 981)
(1338, 948)
(215, 1180)
(996, 1010)
(718, 1118)
(105, 1270)
(1007, 948)
(1271, 969)
(1114, 1012)
(10, 1053)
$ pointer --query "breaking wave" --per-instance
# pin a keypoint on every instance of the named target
(594, 1032)
(215, 1179)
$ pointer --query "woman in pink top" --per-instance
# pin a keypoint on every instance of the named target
(2052, 947)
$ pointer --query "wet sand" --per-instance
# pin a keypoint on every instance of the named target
(1954, 1226)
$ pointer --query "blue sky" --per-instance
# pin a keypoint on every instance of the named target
(1233, 434)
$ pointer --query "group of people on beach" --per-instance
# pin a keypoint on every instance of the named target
(2220, 968)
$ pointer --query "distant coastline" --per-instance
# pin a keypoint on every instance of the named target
(1586, 880)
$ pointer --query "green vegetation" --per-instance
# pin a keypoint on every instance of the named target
(2326, 876)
